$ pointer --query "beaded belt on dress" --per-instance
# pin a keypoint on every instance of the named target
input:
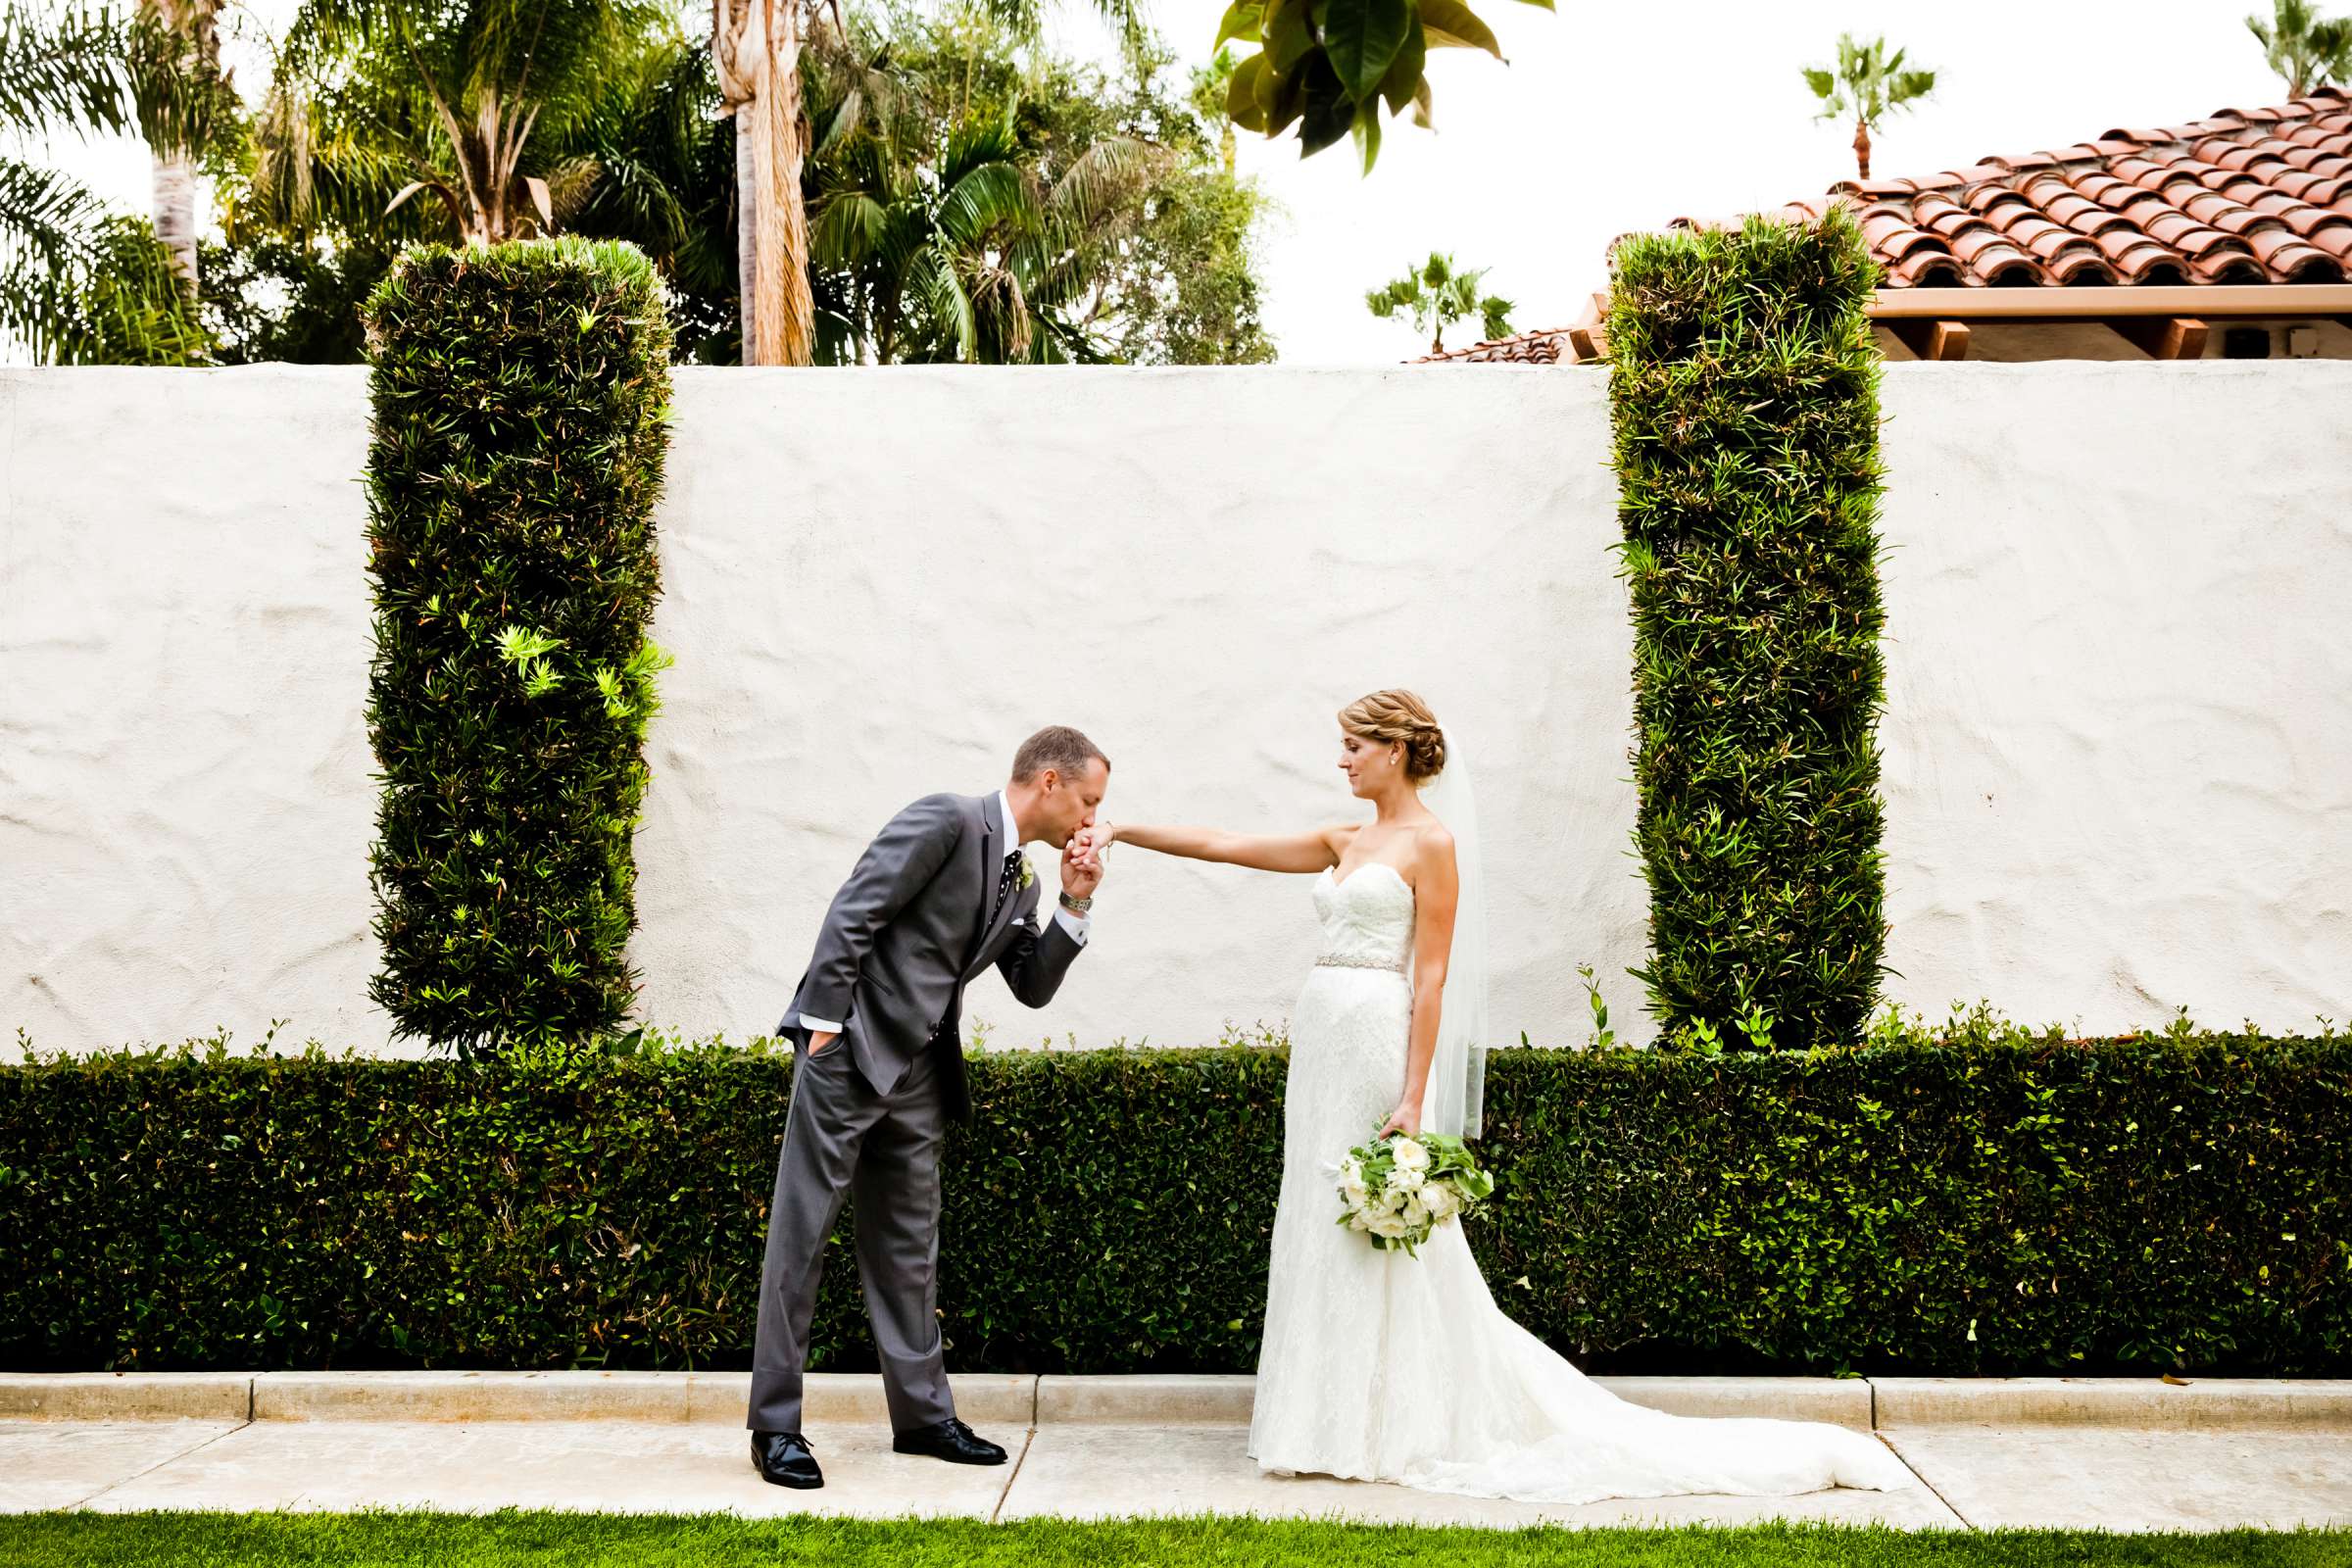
(1332, 961)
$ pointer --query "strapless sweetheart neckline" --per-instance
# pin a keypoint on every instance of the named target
(1338, 881)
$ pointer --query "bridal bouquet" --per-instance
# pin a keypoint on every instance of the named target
(1398, 1188)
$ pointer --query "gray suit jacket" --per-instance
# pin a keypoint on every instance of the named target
(904, 934)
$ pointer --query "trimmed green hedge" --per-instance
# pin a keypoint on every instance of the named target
(521, 397)
(1743, 400)
(2003, 1203)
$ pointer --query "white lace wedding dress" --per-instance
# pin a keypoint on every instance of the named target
(1378, 1366)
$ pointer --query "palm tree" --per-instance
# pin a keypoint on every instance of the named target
(184, 105)
(755, 46)
(1437, 294)
(1868, 84)
(953, 240)
(758, 46)
(348, 144)
(76, 283)
(2307, 51)
(377, 103)
(664, 180)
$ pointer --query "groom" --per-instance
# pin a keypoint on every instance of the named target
(943, 892)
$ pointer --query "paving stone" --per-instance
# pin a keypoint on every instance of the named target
(2134, 1479)
(607, 1466)
(1098, 1471)
(56, 1464)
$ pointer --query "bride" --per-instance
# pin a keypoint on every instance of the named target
(1383, 1366)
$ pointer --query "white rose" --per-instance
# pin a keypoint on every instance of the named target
(1415, 1215)
(1359, 1221)
(1407, 1179)
(1388, 1225)
(1393, 1197)
(1409, 1156)
(1442, 1201)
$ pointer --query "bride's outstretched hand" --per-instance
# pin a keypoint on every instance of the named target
(1082, 860)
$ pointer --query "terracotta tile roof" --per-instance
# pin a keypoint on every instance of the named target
(2243, 196)
(1528, 348)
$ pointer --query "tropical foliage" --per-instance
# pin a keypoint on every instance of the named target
(351, 162)
(759, 48)
(187, 111)
(464, 108)
(79, 284)
(1439, 293)
(977, 198)
(2305, 49)
(1868, 84)
(970, 202)
(1326, 66)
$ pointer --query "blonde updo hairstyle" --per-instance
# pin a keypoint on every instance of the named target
(1397, 717)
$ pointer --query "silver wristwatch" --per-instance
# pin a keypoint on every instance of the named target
(1077, 905)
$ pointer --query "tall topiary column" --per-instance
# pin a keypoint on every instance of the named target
(520, 397)
(1743, 397)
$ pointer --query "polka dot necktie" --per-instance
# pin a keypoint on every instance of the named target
(1012, 869)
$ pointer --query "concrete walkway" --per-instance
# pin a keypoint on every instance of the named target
(2116, 1453)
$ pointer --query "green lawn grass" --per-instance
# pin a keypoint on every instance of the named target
(399, 1540)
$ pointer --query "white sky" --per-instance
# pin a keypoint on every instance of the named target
(1613, 117)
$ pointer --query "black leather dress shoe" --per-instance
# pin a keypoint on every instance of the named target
(951, 1441)
(785, 1460)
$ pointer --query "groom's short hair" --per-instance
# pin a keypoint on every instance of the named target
(1057, 747)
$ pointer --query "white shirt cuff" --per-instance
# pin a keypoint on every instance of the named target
(819, 1025)
(1072, 922)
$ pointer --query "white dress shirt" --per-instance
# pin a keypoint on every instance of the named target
(1071, 920)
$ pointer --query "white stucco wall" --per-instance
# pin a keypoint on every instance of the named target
(2119, 746)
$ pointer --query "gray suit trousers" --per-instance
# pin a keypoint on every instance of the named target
(841, 1137)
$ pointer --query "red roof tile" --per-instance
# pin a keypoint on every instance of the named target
(2243, 196)
(1528, 348)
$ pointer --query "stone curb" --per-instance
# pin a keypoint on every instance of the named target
(1019, 1400)
(2294, 1402)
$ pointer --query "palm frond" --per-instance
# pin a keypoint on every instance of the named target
(977, 141)
(182, 99)
(79, 284)
(932, 280)
(1109, 176)
(988, 196)
(570, 179)
(45, 213)
(68, 71)
(849, 231)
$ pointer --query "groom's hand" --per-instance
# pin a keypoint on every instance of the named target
(1081, 864)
